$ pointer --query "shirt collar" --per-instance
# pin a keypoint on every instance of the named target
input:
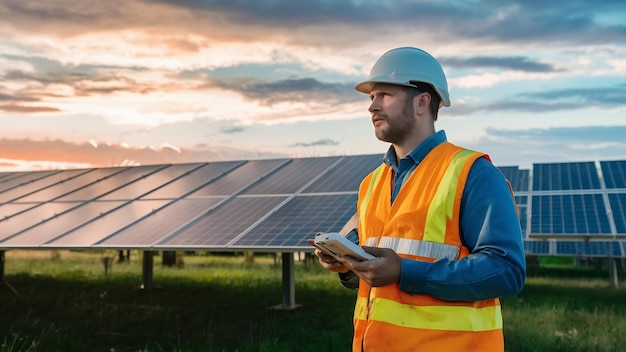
(419, 153)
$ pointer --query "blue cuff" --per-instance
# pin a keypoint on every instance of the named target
(413, 276)
(353, 236)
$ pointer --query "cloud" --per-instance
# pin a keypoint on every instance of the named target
(301, 90)
(51, 86)
(293, 14)
(563, 22)
(321, 142)
(6, 97)
(229, 130)
(552, 100)
(599, 96)
(58, 152)
(49, 81)
(251, 21)
(26, 109)
(522, 20)
(586, 134)
(517, 63)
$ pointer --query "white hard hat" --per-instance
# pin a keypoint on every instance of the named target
(402, 66)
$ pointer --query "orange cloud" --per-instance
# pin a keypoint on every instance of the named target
(60, 152)
(27, 109)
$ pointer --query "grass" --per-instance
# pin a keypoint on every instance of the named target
(65, 302)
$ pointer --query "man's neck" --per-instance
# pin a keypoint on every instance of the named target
(403, 149)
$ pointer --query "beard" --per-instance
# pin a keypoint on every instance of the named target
(397, 129)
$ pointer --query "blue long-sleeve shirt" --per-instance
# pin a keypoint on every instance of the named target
(490, 228)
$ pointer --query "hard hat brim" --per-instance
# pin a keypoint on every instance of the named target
(367, 86)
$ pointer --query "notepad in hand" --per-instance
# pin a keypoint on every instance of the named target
(337, 246)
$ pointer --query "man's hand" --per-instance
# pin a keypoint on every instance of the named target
(329, 262)
(382, 271)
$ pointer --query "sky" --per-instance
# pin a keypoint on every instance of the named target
(134, 82)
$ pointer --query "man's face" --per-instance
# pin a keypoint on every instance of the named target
(392, 113)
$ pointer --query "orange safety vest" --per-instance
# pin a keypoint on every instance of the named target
(422, 224)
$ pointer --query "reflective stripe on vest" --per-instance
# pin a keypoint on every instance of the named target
(416, 247)
(441, 317)
(435, 230)
(374, 181)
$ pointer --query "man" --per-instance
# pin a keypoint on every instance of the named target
(440, 220)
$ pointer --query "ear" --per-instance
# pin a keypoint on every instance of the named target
(421, 103)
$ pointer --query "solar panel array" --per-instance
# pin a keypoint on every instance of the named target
(277, 204)
(578, 199)
(577, 209)
(266, 205)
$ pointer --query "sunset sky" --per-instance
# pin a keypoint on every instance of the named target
(105, 83)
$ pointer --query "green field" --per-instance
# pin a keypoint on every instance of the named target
(63, 301)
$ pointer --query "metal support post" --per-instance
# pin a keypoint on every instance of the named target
(2, 274)
(146, 277)
(613, 273)
(289, 286)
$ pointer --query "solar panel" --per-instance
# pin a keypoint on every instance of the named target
(104, 225)
(10, 209)
(160, 223)
(293, 176)
(23, 179)
(222, 225)
(569, 214)
(601, 249)
(566, 248)
(193, 180)
(240, 178)
(518, 178)
(523, 215)
(17, 179)
(25, 189)
(299, 220)
(118, 178)
(618, 207)
(32, 217)
(522, 206)
(565, 176)
(523, 200)
(68, 185)
(537, 247)
(347, 175)
(60, 224)
(149, 182)
(614, 173)
(4, 175)
(588, 249)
